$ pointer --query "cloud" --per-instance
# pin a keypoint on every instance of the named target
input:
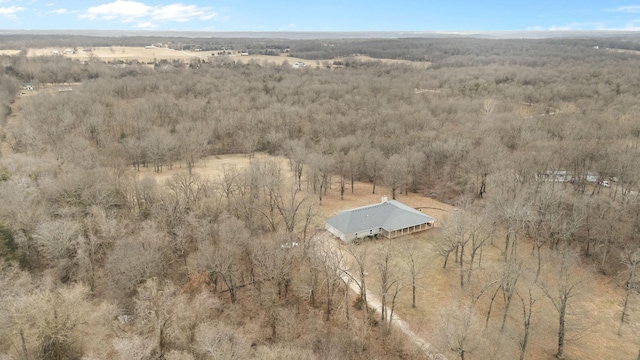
(147, 16)
(633, 9)
(122, 10)
(10, 12)
(58, 11)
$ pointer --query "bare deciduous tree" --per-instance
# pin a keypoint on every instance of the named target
(216, 340)
(458, 330)
(320, 169)
(631, 259)
(221, 256)
(189, 188)
(297, 154)
(136, 258)
(416, 266)
(374, 162)
(564, 281)
(527, 301)
(395, 173)
(332, 264)
(360, 256)
(59, 324)
(57, 239)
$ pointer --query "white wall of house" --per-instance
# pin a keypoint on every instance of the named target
(335, 232)
(348, 238)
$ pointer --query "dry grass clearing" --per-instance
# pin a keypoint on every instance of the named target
(9, 52)
(142, 54)
(114, 53)
(210, 167)
(592, 321)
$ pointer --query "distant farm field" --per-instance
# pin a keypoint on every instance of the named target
(142, 54)
(9, 52)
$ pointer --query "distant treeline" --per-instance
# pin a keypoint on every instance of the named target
(449, 52)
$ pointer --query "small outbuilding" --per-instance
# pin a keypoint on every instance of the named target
(388, 219)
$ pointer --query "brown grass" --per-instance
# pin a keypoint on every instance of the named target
(210, 167)
(132, 53)
(9, 52)
(592, 324)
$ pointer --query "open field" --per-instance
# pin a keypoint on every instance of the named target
(128, 53)
(211, 168)
(115, 53)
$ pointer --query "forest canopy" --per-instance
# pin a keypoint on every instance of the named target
(540, 135)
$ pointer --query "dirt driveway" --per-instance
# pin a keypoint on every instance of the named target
(326, 242)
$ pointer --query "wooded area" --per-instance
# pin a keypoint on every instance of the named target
(99, 262)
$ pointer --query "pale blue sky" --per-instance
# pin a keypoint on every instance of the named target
(319, 15)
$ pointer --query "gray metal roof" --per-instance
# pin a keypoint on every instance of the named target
(389, 215)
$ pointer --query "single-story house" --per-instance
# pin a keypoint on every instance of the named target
(388, 218)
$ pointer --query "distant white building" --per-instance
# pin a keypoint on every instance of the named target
(565, 176)
(592, 177)
(556, 176)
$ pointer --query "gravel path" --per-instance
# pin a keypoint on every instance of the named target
(327, 241)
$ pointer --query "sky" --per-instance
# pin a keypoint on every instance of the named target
(319, 15)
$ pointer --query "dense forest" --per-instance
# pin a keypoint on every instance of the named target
(536, 142)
